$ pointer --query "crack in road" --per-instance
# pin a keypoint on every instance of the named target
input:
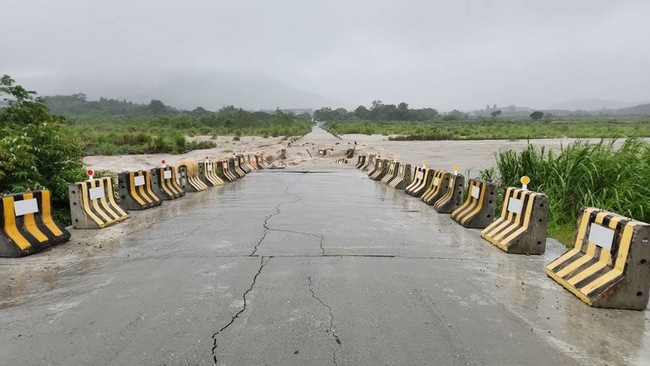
(263, 263)
(331, 329)
(267, 229)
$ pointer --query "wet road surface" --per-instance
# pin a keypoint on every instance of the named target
(296, 268)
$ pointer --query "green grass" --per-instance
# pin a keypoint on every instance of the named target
(486, 129)
(112, 135)
(583, 174)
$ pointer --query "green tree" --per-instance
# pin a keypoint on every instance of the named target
(36, 149)
(496, 113)
(537, 115)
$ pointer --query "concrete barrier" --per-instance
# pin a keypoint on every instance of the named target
(208, 174)
(419, 190)
(250, 160)
(382, 171)
(28, 225)
(370, 162)
(92, 204)
(418, 175)
(341, 161)
(261, 164)
(135, 191)
(376, 165)
(361, 161)
(241, 161)
(393, 168)
(223, 170)
(164, 182)
(233, 164)
(403, 178)
(521, 228)
(188, 174)
(453, 197)
(608, 266)
(479, 207)
(438, 187)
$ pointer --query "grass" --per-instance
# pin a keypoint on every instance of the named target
(113, 135)
(581, 174)
(487, 129)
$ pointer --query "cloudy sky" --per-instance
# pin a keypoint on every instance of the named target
(301, 53)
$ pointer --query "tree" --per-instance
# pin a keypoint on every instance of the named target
(537, 115)
(362, 112)
(496, 113)
(157, 107)
(36, 149)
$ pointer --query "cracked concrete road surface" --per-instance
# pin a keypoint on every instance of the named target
(300, 268)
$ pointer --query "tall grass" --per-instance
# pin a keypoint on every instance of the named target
(484, 129)
(608, 175)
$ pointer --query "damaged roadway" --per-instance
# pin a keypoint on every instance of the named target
(295, 268)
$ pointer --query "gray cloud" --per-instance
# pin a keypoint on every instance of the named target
(445, 54)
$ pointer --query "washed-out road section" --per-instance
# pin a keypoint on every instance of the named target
(321, 267)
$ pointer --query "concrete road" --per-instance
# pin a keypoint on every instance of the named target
(300, 268)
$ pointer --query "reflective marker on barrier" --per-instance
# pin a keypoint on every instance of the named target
(524, 182)
(601, 236)
(476, 192)
(209, 167)
(436, 181)
(515, 205)
(420, 174)
(25, 207)
(96, 193)
(456, 169)
(139, 180)
(167, 174)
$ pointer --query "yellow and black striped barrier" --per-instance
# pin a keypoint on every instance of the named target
(188, 176)
(376, 165)
(439, 186)
(608, 266)
(164, 182)
(250, 160)
(393, 167)
(403, 179)
(361, 161)
(241, 160)
(93, 206)
(479, 207)
(233, 164)
(453, 197)
(382, 171)
(370, 162)
(208, 174)
(418, 175)
(135, 191)
(223, 170)
(341, 161)
(521, 228)
(28, 225)
(261, 164)
(427, 176)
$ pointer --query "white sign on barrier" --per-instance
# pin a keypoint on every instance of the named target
(25, 207)
(209, 167)
(420, 174)
(167, 174)
(96, 193)
(515, 205)
(476, 192)
(601, 236)
(436, 181)
(139, 180)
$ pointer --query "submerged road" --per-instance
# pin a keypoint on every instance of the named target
(300, 268)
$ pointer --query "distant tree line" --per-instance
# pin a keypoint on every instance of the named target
(379, 111)
(78, 105)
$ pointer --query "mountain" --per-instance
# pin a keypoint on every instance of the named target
(591, 104)
(188, 90)
(639, 110)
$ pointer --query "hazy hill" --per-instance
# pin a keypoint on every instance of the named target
(187, 90)
(591, 104)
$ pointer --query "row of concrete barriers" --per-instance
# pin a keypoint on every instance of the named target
(26, 221)
(608, 266)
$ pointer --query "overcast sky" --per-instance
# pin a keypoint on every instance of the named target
(443, 54)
